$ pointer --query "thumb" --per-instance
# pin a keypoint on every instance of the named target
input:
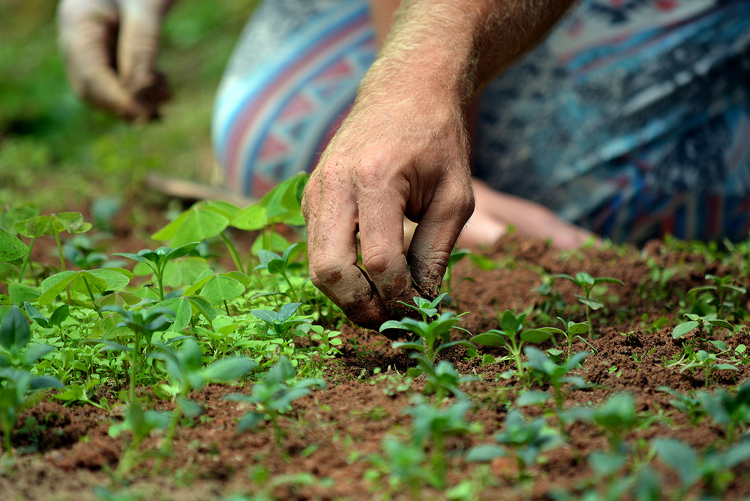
(138, 47)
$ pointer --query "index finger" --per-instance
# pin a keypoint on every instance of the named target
(331, 217)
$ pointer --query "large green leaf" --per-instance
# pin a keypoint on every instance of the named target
(222, 288)
(11, 248)
(14, 331)
(201, 221)
(52, 224)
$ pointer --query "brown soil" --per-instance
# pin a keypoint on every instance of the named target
(331, 433)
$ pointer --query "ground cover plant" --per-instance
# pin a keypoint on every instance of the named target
(213, 367)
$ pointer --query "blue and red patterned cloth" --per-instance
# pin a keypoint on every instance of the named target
(632, 119)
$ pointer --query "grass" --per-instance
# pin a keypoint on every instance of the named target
(55, 151)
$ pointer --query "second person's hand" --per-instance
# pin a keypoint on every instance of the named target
(109, 48)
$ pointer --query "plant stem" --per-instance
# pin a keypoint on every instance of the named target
(166, 447)
(26, 261)
(91, 295)
(60, 251)
(136, 354)
(232, 252)
(295, 295)
(588, 319)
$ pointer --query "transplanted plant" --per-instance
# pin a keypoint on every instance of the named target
(434, 424)
(15, 380)
(276, 264)
(525, 440)
(586, 283)
(730, 411)
(556, 375)
(140, 424)
(158, 259)
(512, 337)
(723, 296)
(433, 336)
(187, 374)
(442, 379)
(699, 322)
(709, 362)
(143, 324)
(273, 396)
(689, 404)
(570, 331)
(713, 467)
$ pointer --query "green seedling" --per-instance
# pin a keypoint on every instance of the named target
(586, 283)
(552, 301)
(689, 404)
(158, 259)
(436, 425)
(282, 323)
(709, 362)
(434, 336)
(617, 416)
(699, 322)
(570, 331)
(526, 440)
(713, 467)
(512, 337)
(273, 396)
(140, 425)
(456, 256)
(50, 224)
(442, 380)
(220, 287)
(404, 465)
(721, 297)
(730, 411)
(15, 338)
(276, 264)
(143, 324)
(556, 375)
(15, 360)
(14, 387)
(187, 374)
(203, 220)
(55, 320)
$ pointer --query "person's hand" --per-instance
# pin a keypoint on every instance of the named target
(495, 211)
(109, 48)
(396, 154)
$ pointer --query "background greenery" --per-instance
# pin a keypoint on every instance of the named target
(58, 153)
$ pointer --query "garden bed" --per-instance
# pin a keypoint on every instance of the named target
(360, 436)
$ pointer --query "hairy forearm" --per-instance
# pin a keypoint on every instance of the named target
(455, 47)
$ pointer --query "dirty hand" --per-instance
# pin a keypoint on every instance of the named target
(495, 211)
(392, 157)
(109, 48)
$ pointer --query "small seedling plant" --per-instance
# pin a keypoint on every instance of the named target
(721, 298)
(433, 335)
(713, 467)
(586, 284)
(276, 264)
(273, 397)
(143, 324)
(158, 259)
(512, 337)
(524, 440)
(187, 374)
(543, 369)
(15, 379)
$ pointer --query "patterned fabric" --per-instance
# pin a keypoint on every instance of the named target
(632, 119)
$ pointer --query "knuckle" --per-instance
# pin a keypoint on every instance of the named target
(377, 259)
(326, 270)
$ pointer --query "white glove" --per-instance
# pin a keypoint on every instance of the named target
(109, 47)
